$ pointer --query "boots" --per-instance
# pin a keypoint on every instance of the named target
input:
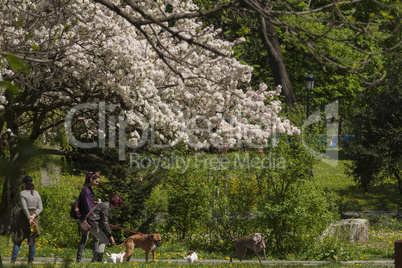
(30, 260)
(100, 257)
(95, 254)
(13, 260)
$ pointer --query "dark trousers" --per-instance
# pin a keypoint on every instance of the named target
(83, 242)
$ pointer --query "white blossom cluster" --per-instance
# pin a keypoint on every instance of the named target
(177, 80)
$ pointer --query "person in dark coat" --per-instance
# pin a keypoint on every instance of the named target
(27, 224)
(86, 202)
(98, 218)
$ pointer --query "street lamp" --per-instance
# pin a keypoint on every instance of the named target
(309, 84)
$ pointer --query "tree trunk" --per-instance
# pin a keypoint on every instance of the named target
(9, 203)
(276, 60)
(340, 129)
(399, 181)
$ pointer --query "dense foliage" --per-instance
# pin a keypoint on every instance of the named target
(151, 81)
(92, 81)
(55, 219)
(242, 192)
(377, 125)
(209, 195)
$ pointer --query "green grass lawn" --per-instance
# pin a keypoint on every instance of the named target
(383, 197)
(44, 248)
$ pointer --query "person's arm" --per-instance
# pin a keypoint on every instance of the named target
(24, 206)
(39, 204)
(105, 220)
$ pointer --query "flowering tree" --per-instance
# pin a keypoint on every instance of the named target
(347, 35)
(94, 74)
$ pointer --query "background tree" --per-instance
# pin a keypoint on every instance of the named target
(332, 83)
(325, 29)
(377, 124)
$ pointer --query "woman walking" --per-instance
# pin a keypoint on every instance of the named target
(85, 203)
(99, 217)
(27, 226)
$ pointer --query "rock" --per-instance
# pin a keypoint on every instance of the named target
(355, 230)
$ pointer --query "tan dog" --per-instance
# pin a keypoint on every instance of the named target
(147, 242)
(255, 243)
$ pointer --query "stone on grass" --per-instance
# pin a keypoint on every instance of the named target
(354, 230)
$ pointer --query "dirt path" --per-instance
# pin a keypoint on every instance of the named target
(182, 261)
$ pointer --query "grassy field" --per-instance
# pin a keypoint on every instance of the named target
(384, 229)
(382, 197)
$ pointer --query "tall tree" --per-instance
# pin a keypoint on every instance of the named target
(376, 153)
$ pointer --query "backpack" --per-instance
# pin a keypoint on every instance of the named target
(74, 210)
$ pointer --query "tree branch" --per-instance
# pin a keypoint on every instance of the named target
(75, 154)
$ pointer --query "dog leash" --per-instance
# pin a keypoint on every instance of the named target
(114, 226)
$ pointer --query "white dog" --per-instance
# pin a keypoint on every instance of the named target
(116, 257)
(191, 257)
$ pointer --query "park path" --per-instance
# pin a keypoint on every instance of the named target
(182, 261)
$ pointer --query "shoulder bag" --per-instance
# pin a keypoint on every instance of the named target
(85, 227)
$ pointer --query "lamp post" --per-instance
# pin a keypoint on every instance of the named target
(309, 84)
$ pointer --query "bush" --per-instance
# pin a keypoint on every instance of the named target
(277, 198)
(332, 249)
(294, 210)
(296, 221)
(55, 220)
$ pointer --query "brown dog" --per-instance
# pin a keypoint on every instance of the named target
(255, 243)
(147, 242)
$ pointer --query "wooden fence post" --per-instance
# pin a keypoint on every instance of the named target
(398, 253)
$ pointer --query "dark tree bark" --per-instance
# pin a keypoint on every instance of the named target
(340, 130)
(396, 174)
(9, 203)
(276, 61)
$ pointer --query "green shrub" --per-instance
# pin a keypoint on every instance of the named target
(243, 196)
(296, 221)
(332, 249)
(55, 220)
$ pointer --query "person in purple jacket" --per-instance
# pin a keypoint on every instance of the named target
(85, 203)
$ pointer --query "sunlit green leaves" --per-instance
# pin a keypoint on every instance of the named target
(387, 15)
(20, 23)
(11, 90)
(243, 31)
(16, 63)
(35, 47)
(66, 27)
